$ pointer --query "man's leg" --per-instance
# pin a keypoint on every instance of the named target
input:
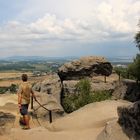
(25, 115)
(27, 119)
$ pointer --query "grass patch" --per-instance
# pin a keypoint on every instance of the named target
(101, 96)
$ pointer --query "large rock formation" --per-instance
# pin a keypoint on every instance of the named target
(112, 131)
(129, 119)
(128, 90)
(126, 127)
(51, 85)
(6, 122)
(59, 86)
(85, 67)
(49, 103)
(49, 95)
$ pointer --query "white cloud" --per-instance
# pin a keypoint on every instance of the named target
(90, 22)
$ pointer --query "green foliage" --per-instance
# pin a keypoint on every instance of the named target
(16, 66)
(123, 72)
(13, 88)
(83, 86)
(101, 96)
(3, 90)
(134, 68)
(83, 89)
(83, 96)
(137, 38)
(80, 98)
(69, 103)
(42, 66)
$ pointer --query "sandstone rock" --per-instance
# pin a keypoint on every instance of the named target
(128, 90)
(69, 86)
(6, 122)
(102, 87)
(85, 67)
(129, 119)
(113, 131)
(49, 102)
(120, 90)
(37, 87)
(48, 95)
(51, 85)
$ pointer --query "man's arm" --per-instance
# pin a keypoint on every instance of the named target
(19, 97)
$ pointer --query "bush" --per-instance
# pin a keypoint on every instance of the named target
(3, 90)
(13, 88)
(69, 103)
(123, 72)
(83, 89)
(101, 96)
(135, 67)
(83, 96)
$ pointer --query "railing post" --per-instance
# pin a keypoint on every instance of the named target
(105, 79)
(31, 102)
(50, 116)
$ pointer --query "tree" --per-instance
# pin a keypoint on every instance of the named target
(137, 37)
(134, 68)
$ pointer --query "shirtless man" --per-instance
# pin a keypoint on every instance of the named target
(24, 94)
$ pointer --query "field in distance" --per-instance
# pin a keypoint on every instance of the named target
(14, 77)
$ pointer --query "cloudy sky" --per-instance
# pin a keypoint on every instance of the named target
(68, 27)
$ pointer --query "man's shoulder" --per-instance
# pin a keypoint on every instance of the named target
(26, 84)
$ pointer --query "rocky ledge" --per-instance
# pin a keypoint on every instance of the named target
(129, 119)
(6, 122)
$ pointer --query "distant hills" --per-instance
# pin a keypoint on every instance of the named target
(121, 59)
(118, 59)
(36, 58)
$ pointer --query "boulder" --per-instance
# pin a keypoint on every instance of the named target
(112, 131)
(49, 103)
(37, 86)
(85, 67)
(127, 89)
(6, 122)
(48, 93)
(51, 85)
(129, 119)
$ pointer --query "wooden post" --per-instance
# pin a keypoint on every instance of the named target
(105, 79)
(137, 81)
(128, 75)
(119, 77)
(31, 102)
(50, 116)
